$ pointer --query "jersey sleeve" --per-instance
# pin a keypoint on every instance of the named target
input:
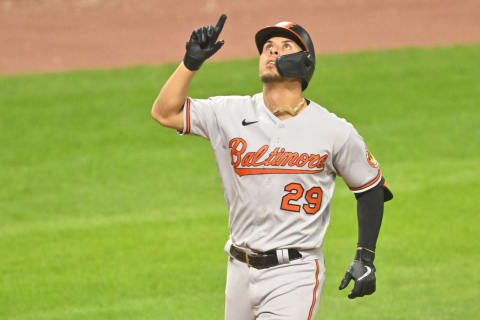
(356, 165)
(200, 118)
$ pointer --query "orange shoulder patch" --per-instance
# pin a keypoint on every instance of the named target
(371, 160)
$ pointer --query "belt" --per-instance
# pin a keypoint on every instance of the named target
(261, 260)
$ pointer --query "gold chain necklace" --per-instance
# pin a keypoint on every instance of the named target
(288, 109)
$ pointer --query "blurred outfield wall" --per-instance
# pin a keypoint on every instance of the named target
(50, 35)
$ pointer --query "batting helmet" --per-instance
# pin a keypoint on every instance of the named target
(297, 65)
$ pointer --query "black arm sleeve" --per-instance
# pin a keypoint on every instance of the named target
(370, 214)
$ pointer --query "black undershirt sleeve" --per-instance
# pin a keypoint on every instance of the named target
(370, 214)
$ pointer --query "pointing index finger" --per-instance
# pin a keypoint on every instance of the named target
(220, 23)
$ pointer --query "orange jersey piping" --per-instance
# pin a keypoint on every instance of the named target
(314, 292)
(187, 130)
(379, 174)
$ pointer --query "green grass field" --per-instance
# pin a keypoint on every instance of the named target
(106, 215)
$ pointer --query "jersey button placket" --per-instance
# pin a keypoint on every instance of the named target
(281, 128)
(275, 140)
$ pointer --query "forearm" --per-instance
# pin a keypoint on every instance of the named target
(168, 106)
(370, 214)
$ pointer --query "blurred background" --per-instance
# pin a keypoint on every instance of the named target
(50, 35)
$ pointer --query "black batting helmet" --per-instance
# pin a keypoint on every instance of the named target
(297, 65)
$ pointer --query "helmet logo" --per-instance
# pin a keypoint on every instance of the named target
(285, 24)
(308, 61)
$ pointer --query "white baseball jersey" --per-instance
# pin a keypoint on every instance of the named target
(278, 176)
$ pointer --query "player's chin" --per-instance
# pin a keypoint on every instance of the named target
(268, 77)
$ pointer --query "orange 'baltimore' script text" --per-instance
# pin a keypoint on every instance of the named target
(259, 162)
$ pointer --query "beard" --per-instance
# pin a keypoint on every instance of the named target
(271, 77)
(275, 77)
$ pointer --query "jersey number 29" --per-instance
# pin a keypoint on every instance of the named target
(313, 197)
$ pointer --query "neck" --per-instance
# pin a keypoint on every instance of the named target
(283, 95)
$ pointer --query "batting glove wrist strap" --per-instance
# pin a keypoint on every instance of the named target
(362, 271)
(203, 44)
(364, 255)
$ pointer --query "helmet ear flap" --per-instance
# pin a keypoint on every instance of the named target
(297, 65)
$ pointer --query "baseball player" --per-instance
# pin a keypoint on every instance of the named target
(278, 155)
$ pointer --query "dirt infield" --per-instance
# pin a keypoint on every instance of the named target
(53, 35)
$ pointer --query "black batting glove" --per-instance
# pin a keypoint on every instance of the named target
(203, 44)
(362, 271)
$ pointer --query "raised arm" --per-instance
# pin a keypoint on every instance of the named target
(167, 108)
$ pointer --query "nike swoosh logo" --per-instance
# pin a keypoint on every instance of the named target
(366, 273)
(245, 123)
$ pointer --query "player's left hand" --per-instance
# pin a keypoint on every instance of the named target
(362, 271)
(203, 44)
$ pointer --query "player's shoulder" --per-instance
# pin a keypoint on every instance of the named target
(233, 99)
(234, 104)
(339, 129)
(331, 118)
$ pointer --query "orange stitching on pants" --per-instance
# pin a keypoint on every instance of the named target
(314, 291)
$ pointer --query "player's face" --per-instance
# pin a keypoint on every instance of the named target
(272, 49)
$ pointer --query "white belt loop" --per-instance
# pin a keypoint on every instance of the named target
(282, 256)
